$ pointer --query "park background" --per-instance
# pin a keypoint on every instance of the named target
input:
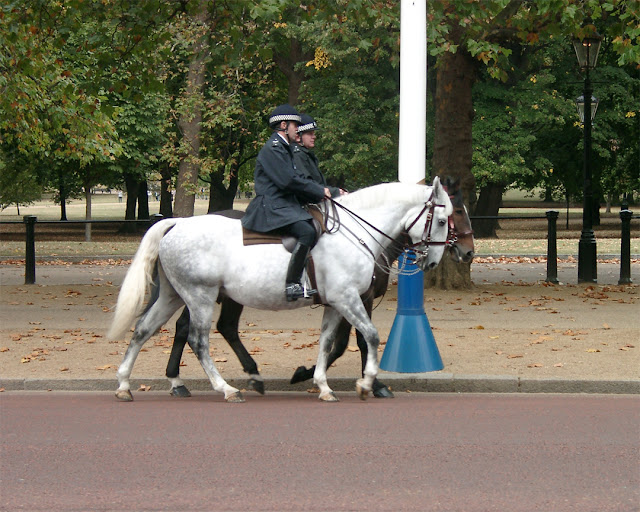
(171, 98)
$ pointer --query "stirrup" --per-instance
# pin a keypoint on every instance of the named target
(295, 291)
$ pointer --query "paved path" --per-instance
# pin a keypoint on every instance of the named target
(511, 333)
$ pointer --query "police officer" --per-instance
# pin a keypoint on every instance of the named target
(280, 193)
(305, 159)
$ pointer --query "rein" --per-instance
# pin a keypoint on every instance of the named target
(417, 247)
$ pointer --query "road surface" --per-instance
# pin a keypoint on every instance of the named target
(473, 452)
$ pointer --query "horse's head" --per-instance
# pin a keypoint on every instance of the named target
(461, 246)
(428, 225)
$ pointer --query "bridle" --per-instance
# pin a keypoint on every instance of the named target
(454, 234)
(421, 248)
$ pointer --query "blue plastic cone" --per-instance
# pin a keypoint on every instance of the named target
(411, 347)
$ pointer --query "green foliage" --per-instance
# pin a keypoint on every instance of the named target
(93, 89)
(18, 186)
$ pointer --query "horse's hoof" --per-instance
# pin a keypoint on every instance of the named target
(124, 395)
(180, 392)
(363, 393)
(383, 392)
(300, 375)
(328, 397)
(257, 385)
(235, 398)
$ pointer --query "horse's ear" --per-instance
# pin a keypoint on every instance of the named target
(436, 185)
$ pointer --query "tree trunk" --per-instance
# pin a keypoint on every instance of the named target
(63, 198)
(87, 216)
(488, 205)
(453, 122)
(287, 64)
(166, 199)
(447, 275)
(189, 124)
(452, 146)
(221, 197)
(143, 200)
(131, 187)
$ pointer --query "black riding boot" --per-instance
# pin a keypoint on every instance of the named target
(294, 289)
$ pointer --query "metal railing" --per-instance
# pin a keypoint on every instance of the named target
(30, 222)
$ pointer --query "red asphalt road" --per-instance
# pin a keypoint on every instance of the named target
(447, 452)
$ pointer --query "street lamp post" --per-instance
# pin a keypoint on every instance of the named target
(587, 50)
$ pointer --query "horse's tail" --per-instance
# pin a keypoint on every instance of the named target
(138, 278)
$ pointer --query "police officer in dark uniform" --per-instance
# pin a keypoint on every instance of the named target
(305, 159)
(280, 193)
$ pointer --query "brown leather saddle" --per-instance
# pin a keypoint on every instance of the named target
(289, 242)
(273, 237)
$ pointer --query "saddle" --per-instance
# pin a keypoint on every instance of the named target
(274, 237)
(289, 242)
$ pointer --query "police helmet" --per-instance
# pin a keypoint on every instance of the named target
(283, 113)
(307, 124)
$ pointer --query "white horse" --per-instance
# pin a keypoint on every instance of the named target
(199, 257)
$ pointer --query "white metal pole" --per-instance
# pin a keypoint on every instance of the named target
(413, 91)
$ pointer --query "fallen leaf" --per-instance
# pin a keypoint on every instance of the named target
(480, 327)
(352, 349)
(144, 387)
(593, 350)
(534, 365)
(220, 360)
(606, 326)
(514, 356)
(105, 367)
(64, 369)
(558, 365)
(4, 349)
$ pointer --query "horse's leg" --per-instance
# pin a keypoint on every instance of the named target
(173, 366)
(354, 312)
(198, 339)
(158, 314)
(330, 322)
(380, 390)
(338, 347)
(230, 312)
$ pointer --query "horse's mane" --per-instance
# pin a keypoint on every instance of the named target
(376, 195)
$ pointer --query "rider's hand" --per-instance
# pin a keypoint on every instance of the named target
(327, 192)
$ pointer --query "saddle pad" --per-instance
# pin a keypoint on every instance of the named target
(254, 238)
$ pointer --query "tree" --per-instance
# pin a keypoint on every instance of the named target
(18, 185)
(469, 36)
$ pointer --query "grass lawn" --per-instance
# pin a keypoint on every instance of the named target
(515, 237)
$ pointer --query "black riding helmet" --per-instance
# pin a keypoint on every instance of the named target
(307, 124)
(283, 113)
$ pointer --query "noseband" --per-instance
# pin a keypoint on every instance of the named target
(425, 241)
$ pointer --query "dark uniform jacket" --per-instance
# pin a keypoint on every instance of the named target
(280, 189)
(306, 163)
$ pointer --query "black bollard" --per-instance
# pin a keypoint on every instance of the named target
(155, 218)
(552, 247)
(625, 247)
(30, 249)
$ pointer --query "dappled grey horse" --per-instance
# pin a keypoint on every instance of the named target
(218, 262)
(460, 247)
